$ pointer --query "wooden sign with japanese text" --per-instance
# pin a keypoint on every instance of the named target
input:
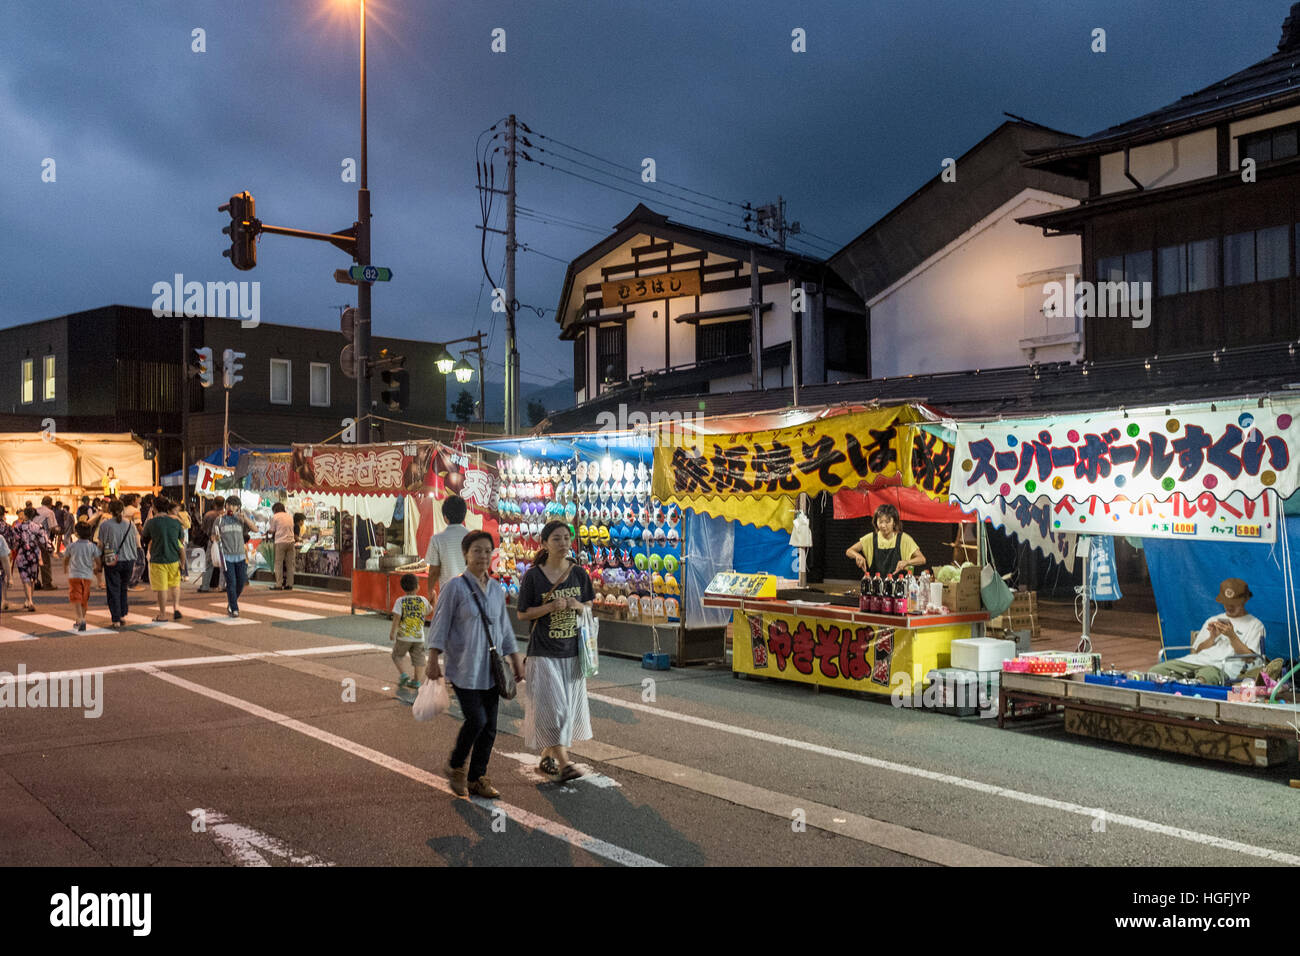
(665, 285)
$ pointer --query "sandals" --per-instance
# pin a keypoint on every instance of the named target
(548, 766)
(572, 772)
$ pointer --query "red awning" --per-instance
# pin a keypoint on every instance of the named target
(912, 504)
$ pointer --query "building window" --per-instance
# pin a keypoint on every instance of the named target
(47, 392)
(28, 373)
(281, 381)
(1256, 256)
(1131, 267)
(580, 362)
(720, 340)
(320, 384)
(1189, 267)
(1269, 144)
(611, 354)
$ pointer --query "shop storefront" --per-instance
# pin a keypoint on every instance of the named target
(368, 511)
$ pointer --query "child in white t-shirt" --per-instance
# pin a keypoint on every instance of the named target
(412, 613)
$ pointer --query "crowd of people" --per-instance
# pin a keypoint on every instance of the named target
(117, 544)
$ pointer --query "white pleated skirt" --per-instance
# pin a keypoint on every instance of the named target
(555, 705)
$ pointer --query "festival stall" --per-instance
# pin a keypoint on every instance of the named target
(629, 542)
(373, 509)
(67, 465)
(1205, 486)
(752, 470)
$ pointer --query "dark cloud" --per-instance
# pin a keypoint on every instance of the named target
(150, 137)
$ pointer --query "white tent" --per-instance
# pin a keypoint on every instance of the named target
(68, 465)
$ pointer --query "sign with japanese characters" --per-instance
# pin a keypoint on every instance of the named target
(1197, 454)
(267, 472)
(1234, 518)
(206, 483)
(393, 469)
(815, 650)
(824, 455)
(665, 285)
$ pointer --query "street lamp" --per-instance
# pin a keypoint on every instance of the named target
(464, 371)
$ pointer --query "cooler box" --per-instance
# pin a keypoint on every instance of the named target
(981, 653)
(964, 693)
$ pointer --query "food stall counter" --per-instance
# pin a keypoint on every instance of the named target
(838, 645)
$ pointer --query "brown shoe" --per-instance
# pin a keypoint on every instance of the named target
(457, 780)
(482, 787)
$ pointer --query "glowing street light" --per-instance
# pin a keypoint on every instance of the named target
(444, 362)
(464, 371)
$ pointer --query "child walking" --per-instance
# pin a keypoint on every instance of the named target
(81, 562)
(412, 613)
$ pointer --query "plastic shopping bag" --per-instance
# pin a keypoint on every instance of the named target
(587, 650)
(994, 592)
(432, 700)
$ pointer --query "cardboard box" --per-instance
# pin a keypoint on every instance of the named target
(964, 595)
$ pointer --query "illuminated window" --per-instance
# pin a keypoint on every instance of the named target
(28, 373)
(48, 392)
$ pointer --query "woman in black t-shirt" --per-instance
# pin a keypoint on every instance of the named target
(551, 595)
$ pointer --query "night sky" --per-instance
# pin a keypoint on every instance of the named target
(150, 137)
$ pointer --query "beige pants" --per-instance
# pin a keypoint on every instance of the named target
(284, 560)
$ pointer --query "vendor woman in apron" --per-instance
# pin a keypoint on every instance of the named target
(887, 549)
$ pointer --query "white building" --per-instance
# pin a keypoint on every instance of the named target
(952, 282)
(663, 308)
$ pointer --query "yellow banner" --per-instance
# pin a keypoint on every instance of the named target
(825, 455)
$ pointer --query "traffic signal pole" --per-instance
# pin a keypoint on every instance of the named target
(362, 257)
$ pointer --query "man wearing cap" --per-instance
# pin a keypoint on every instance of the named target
(1222, 636)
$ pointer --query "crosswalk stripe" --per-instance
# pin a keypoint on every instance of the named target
(275, 612)
(303, 602)
(223, 619)
(61, 624)
(7, 634)
(141, 620)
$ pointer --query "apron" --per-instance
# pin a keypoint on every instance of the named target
(885, 561)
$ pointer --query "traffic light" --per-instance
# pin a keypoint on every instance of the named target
(231, 366)
(242, 230)
(398, 394)
(203, 364)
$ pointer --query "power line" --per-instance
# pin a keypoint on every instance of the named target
(567, 225)
(744, 206)
(636, 196)
(538, 252)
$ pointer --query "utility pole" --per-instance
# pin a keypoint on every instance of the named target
(362, 257)
(512, 352)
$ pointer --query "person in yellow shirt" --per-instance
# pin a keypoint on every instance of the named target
(887, 549)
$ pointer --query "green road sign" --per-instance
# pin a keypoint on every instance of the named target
(370, 273)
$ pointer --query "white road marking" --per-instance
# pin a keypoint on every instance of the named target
(141, 620)
(518, 815)
(528, 768)
(274, 612)
(199, 661)
(225, 619)
(10, 635)
(319, 605)
(1192, 836)
(61, 624)
(242, 843)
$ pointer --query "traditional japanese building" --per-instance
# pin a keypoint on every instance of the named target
(1201, 199)
(660, 308)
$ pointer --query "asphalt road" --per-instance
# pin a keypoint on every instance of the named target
(279, 741)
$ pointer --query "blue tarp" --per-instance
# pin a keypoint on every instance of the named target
(1185, 576)
(174, 478)
(588, 447)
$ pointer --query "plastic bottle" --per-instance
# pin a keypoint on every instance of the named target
(900, 595)
(864, 598)
(913, 594)
(877, 589)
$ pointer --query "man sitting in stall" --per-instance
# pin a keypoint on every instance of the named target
(1222, 636)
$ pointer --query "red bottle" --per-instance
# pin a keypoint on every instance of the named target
(900, 595)
(877, 593)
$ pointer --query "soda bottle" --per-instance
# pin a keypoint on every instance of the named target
(873, 598)
(864, 597)
(900, 595)
(887, 594)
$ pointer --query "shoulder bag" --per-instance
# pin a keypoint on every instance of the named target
(502, 676)
(109, 552)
